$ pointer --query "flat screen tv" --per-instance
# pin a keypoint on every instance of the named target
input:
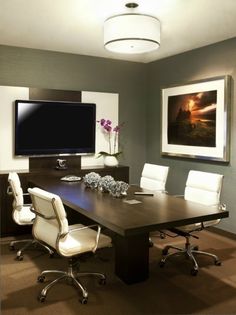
(54, 128)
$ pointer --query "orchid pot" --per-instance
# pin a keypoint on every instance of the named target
(110, 157)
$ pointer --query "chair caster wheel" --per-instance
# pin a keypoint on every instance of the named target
(150, 243)
(194, 272)
(51, 255)
(41, 298)
(196, 248)
(19, 258)
(162, 236)
(218, 263)
(161, 263)
(164, 251)
(102, 281)
(12, 247)
(84, 300)
(41, 279)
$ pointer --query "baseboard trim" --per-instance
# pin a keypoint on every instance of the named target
(222, 232)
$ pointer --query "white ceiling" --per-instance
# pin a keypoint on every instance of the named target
(76, 26)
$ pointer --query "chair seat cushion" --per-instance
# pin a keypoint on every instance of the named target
(80, 241)
(24, 216)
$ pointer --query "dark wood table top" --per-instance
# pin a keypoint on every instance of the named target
(156, 212)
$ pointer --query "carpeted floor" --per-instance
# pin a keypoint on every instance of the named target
(169, 290)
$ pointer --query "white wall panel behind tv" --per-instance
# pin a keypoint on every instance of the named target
(8, 95)
(107, 106)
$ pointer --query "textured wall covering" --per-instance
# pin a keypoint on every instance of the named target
(139, 87)
(52, 70)
(206, 62)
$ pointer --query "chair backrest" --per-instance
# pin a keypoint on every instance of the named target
(51, 221)
(17, 192)
(154, 177)
(203, 187)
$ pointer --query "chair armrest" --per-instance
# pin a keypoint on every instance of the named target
(27, 199)
(9, 190)
(52, 217)
(222, 207)
(88, 227)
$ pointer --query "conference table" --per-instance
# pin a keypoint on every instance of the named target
(131, 218)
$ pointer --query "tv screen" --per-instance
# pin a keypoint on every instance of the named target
(51, 128)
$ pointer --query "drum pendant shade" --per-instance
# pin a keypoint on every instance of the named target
(132, 33)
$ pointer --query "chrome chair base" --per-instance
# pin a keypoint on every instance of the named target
(72, 277)
(29, 242)
(189, 252)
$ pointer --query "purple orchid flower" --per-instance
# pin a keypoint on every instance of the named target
(102, 122)
(106, 125)
(116, 129)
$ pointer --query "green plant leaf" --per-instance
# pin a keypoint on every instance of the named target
(103, 153)
(116, 154)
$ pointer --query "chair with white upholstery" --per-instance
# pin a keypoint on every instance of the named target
(203, 188)
(21, 213)
(154, 177)
(51, 228)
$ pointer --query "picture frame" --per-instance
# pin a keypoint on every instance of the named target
(195, 119)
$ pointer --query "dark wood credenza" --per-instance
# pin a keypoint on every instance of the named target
(47, 168)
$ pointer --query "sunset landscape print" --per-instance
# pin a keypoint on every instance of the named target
(192, 119)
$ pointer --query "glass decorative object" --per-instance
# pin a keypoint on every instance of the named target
(105, 182)
(118, 188)
(91, 180)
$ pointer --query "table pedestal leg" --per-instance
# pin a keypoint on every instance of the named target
(132, 258)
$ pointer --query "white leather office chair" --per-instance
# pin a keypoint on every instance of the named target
(203, 188)
(154, 177)
(21, 213)
(51, 228)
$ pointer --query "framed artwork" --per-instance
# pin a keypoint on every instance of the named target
(195, 120)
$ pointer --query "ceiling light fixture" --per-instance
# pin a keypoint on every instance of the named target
(132, 33)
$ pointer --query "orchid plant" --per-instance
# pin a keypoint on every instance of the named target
(112, 134)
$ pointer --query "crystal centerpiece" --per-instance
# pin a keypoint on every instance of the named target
(105, 182)
(118, 188)
(91, 180)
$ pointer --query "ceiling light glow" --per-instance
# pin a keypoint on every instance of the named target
(132, 33)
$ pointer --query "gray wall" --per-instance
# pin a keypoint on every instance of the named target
(52, 70)
(206, 62)
(139, 87)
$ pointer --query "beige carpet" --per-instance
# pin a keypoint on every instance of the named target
(169, 290)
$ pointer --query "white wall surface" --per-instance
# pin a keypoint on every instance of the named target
(107, 105)
(8, 95)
